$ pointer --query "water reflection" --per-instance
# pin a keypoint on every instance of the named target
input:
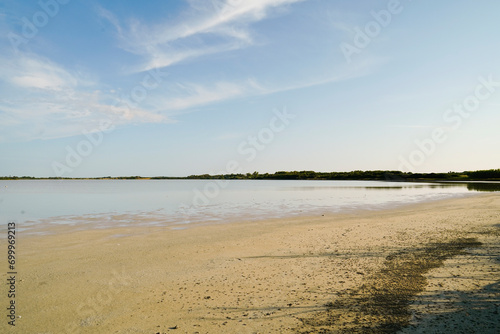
(382, 186)
(471, 186)
(418, 186)
(489, 187)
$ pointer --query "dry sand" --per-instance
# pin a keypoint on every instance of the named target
(426, 268)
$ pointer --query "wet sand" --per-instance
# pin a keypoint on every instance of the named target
(426, 268)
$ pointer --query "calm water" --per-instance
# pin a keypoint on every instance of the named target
(176, 203)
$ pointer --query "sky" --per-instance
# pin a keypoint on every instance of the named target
(181, 87)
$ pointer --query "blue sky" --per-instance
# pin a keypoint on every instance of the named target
(97, 88)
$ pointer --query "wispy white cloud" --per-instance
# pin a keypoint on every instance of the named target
(210, 27)
(165, 59)
(191, 95)
(342, 21)
(172, 42)
(43, 100)
(344, 73)
(29, 71)
(106, 14)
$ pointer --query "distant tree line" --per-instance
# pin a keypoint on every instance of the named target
(375, 175)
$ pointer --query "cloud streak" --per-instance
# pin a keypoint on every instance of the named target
(33, 72)
(191, 95)
(207, 27)
(42, 100)
(45, 100)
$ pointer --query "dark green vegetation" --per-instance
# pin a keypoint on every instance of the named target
(376, 175)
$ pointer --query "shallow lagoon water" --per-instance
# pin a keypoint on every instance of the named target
(177, 203)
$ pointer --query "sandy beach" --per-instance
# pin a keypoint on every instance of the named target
(424, 268)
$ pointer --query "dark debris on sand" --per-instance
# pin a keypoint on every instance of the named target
(382, 304)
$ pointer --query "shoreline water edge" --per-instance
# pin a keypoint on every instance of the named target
(422, 268)
(187, 203)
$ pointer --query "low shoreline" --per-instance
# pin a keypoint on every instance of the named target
(148, 220)
(275, 276)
